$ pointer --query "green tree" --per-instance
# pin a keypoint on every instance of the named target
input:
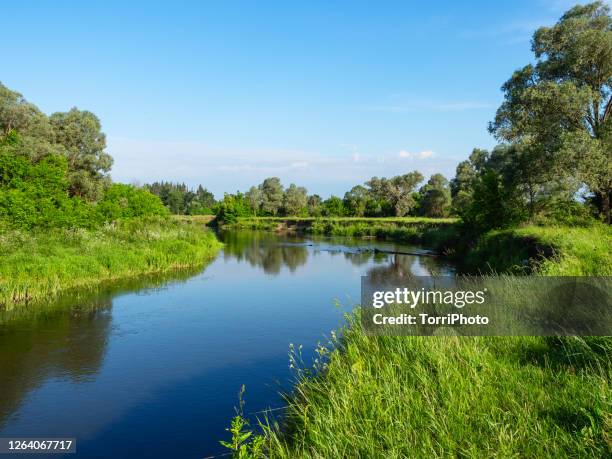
(493, 205)
(295, 200)
(314, 205)
(356, 201)
(397, 191)
(254, 197)
(79, 132)
(435, 197)
(563, 103)
(232, 207)
(271, 195)
(333, 207)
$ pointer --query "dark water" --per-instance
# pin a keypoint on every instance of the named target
(152, 368)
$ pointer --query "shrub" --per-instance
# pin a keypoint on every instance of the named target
(127, 201)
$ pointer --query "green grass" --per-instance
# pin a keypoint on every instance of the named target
(576, 251)
(39, 265)
(404, 229)
(404, 397)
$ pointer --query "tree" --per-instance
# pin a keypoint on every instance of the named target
(254, 197)
(199, 203)
(295, 200)
(563, 103)
(333, 207)
(232, 207)
(314, 205)
(435, 197)
(271, 195)
(493, 205)
(398, 191)
(356, 200)
(79, 132)
(16, 113)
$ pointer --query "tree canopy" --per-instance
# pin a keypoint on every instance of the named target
(560, 109)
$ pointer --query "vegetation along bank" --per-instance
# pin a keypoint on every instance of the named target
(64, 224)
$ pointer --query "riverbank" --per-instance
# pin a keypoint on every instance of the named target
(404, 229)
(549, 250)
(39, 265)
(460, 396)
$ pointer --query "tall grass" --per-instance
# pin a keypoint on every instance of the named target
(400, 397)
(39, 265)
(403, 397)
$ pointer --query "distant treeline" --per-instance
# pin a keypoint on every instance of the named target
(378, 197)
(180, 200)
(554, 162)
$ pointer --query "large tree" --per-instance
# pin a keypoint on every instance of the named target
(253, 196)
(398, 191)
(271, 195)
(295, 200)
(435, 197)
(561, 107)
(356, 200)
(79, 132)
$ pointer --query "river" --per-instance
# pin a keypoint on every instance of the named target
(152, 367)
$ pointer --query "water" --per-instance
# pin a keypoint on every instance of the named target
(151, 368)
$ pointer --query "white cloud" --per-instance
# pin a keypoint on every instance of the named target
(227, 170)
(419, 155)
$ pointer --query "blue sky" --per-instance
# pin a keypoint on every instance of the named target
(323, 94)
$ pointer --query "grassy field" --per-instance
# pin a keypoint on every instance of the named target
(39, 265)
(400, 397)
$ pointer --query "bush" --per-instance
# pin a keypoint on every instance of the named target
(232, 207)
(127, 201)
(36, 194)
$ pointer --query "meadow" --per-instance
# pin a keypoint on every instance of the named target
(39, 264)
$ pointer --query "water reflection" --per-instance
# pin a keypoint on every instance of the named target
(116, 365)
(261, 249)
(66, 339)
(272, 252)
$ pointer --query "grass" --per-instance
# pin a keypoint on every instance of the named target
(400, 397)
(397, 397)
(39, 265)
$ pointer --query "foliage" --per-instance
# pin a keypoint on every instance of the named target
(232, 207)
(180, 200)
(79, 132)
(435, 198)
(397, 191)
(561, 107)
(74, 134)
(271, 195)
(39, 264)
(332, 207)
(242, 444)
(36, 194)
(127, 201)
(295, 200)
(493, 205)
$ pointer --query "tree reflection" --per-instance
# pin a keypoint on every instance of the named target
(64, 339)
(265, 250)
